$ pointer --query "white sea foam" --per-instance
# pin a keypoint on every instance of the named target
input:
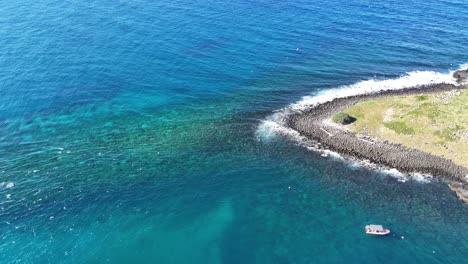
(7, 185)
(401, 177)
(274, 125)
(421, 177)
(332, 154)
(411, 79)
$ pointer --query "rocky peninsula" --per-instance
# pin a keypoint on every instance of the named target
(315, 124)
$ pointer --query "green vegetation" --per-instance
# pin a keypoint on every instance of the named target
(400, 127)
(343, 118)
(422, 97)
(425, 109)
(448, 134)
(434, 123)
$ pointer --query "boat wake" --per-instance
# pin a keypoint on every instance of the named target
(274, 125)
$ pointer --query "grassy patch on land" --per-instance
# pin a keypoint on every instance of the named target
(400, 127)
(434, 123)
(422, 97)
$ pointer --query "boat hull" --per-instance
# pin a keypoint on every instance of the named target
(377, 233)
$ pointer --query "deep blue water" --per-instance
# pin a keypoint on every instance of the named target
(129, 132)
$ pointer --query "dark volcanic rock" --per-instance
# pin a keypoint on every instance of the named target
(461, 75)
(311, 124)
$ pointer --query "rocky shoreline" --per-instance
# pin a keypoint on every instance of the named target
(314, 125)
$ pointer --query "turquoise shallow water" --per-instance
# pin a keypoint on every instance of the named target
(129, 132)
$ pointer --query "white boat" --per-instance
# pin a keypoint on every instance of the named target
(376, 230)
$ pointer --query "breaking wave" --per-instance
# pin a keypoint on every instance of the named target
(275, 124)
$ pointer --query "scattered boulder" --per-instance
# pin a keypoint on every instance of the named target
(461, 75)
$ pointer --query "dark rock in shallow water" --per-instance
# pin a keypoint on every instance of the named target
(311, 124)
(461, 75)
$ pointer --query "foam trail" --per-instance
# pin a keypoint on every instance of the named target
(412, 79)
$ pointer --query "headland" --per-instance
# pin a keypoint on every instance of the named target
(383, 132)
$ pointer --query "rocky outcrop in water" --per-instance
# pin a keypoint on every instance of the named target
(311, 125)
(461, 75)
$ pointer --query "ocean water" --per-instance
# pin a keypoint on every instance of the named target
(149, 131)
